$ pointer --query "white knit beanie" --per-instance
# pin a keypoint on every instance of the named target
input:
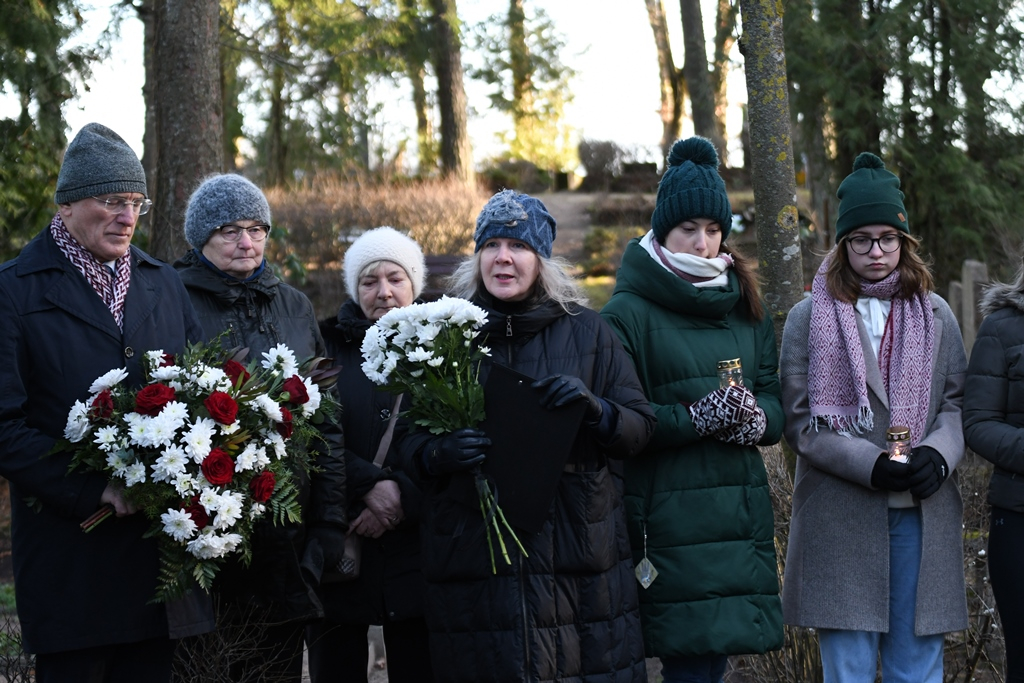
(384, 244)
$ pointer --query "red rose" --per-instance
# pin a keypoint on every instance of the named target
(296, 390)
(102, 406)
(234, 370)
(285, 427)
(198, 513)
(222, 407)
(218, 467)
(262, 486)
(167, 360)
(152, 399)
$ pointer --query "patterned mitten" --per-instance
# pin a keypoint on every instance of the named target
(722, 408)
(748, 433)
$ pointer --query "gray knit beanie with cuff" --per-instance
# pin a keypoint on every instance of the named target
(384, 244)
(519, 217)
(97, 162)
(691, 187)
(220, 200)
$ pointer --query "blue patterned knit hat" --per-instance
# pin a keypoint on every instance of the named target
(519, 217)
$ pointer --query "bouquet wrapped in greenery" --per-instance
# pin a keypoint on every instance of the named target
(427, 352)
(204, 449)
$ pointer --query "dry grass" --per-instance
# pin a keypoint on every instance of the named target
(323, 218)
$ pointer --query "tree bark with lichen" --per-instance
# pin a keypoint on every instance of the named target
(771, 149)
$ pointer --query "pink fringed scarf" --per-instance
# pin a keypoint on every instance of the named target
(836, 377)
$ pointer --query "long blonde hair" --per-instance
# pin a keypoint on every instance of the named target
(553, 282)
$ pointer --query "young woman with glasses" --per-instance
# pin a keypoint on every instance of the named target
(875, 556)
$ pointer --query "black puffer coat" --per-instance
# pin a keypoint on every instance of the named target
(259, 315)
(994, 394)
(390, 584)
(569, 611)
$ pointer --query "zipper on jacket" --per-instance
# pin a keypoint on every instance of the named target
(508, 326)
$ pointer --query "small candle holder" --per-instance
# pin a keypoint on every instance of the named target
(730, 373)
(897, 441)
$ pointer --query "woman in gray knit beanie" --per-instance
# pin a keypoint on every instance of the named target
(236, 293)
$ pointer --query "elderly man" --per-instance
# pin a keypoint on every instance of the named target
(78, 301)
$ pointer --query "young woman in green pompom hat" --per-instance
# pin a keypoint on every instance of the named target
(699, 512)
(875, 556)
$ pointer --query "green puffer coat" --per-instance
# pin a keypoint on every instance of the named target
(703, 503)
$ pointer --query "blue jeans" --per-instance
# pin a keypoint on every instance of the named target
(702, 669)
(852, 656)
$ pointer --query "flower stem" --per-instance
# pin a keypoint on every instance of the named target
(95, 518)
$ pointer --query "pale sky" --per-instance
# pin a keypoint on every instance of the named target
(610, 44)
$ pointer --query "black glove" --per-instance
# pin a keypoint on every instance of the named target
(561, 390)
(331, 541)
(890, 475)
(455, 452)
(928, 470)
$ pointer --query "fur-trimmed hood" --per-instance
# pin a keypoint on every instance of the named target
(1001, 295)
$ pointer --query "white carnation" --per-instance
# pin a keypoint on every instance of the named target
(78, 422)
(178, 524)
(108, 380)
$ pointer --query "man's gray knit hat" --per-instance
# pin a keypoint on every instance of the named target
(384, 244)
(220, 200)
(519, 217)
(98, 161)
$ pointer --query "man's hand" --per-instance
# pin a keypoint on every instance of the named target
(114, 496)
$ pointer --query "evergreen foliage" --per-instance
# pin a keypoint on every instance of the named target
(927, 86)
(37, 69)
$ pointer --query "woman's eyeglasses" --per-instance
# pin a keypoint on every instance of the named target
(888, 243)
(233, 233)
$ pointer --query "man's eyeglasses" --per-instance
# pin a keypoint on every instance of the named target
(888, 243)
(116, 205)
(233, 233)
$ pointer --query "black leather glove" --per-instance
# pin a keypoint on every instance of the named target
(561, 390)
(890, 475)
(928, 469)
(455, 452)
(331, 541)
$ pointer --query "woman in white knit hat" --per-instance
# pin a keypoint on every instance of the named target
(383, 269)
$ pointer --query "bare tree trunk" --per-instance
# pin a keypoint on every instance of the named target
(695, 69)
(456, 153)
(671, 82)
(188, 113)
(522, 71)
(771, 150)
(725, 25)
(415, 52)
(277, 148)
(147, 15)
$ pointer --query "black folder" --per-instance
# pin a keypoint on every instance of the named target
(529, 446)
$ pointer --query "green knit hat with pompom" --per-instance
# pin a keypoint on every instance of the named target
(691, 188)
(870, 196)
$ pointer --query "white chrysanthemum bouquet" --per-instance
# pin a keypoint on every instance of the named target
(205, 448)
(427, 352)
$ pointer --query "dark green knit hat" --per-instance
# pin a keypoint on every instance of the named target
(870, 196)
(98, 162)
(691, 188)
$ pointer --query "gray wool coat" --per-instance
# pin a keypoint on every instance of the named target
(837, 565)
